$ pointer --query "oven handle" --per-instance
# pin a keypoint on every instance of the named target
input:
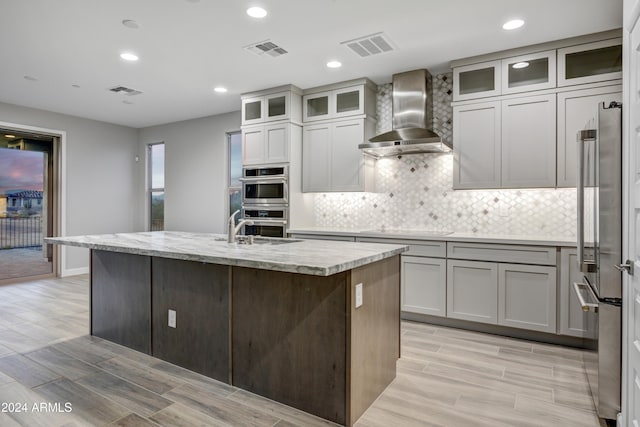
(257, 179)
(583, 136)
(257, 221)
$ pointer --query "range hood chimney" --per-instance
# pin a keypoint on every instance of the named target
(412, 103)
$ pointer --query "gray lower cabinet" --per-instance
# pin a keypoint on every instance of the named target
(423, 283)
(573, 321)
(472, 291)
(509, 285)
(527, 297)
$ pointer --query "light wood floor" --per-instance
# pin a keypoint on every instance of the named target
(446, 377)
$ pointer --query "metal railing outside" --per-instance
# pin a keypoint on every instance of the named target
(157, 224)
(18, 232)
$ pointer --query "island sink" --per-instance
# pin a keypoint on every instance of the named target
(274, 318)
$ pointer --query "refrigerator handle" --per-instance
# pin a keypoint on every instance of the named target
(583, 136)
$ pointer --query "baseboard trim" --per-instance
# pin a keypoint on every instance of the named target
(499, 330)
(74, 271)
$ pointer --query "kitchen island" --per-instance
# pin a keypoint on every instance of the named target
(312, 324)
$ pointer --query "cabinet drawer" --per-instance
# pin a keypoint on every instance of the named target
(323, 237)
(424, 248)
(502, 253)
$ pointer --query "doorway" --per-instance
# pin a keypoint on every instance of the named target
(28, 204)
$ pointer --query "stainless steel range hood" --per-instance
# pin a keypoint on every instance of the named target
(412, 103)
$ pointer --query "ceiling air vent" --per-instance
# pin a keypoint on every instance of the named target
(265, 47)
(372, 44)
(125, 90)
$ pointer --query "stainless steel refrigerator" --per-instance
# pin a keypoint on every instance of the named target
(600, 252)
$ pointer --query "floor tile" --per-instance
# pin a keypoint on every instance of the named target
(86, 404)
(129, 395)
(26, 371)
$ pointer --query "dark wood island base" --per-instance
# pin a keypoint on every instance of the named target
(294, 338)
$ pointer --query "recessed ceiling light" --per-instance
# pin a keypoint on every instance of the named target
(127, 56)
(10, 136)
(30, 78)
(220, 89)
(513, 24)
(256, 12)
(130, 23)
(334, 64)
(523, 64)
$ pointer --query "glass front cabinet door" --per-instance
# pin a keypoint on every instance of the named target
(317, 106)
(476, 81)
(590, 63)
(252, 110)
(277, 106)
(331, 104)
(529, 72)
(349, 101)
(266, 108)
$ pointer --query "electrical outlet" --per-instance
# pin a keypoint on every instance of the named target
(358, 295)
(172, 318)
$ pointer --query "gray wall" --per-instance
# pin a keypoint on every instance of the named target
(195, 171)
(102, 177)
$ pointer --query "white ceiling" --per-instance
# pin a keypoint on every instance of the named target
(187, 47)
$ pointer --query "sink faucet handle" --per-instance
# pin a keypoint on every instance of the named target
(232, 218)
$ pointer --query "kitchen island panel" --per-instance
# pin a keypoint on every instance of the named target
(121, 299)
(199, 294)
(374, 333)
(289, 339)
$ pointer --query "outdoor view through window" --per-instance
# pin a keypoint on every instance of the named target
(156, 186)
(23, 210)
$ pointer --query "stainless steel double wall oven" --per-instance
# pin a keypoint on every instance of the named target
(265, 199)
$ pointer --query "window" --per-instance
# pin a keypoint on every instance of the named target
(155, 156)
(235, 171)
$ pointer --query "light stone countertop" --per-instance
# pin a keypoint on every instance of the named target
(421, 234)
(320, 258)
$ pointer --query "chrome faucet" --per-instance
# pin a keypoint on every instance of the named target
(233, 228)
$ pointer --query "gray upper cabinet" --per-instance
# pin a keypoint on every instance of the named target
(337, 118)
(477, 144)
(577, 111)
(267, 120)
(590, 62)
(534, 71)
(339, 102)
(331, 159)
(266, 144)
(477, 80)
(538, 116)
(505, 144)
(529, 142)
(281, 103)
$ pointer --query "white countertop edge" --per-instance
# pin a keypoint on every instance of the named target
(239, 259)
(453, 237)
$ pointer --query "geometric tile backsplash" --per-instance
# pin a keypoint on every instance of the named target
(416, 191)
